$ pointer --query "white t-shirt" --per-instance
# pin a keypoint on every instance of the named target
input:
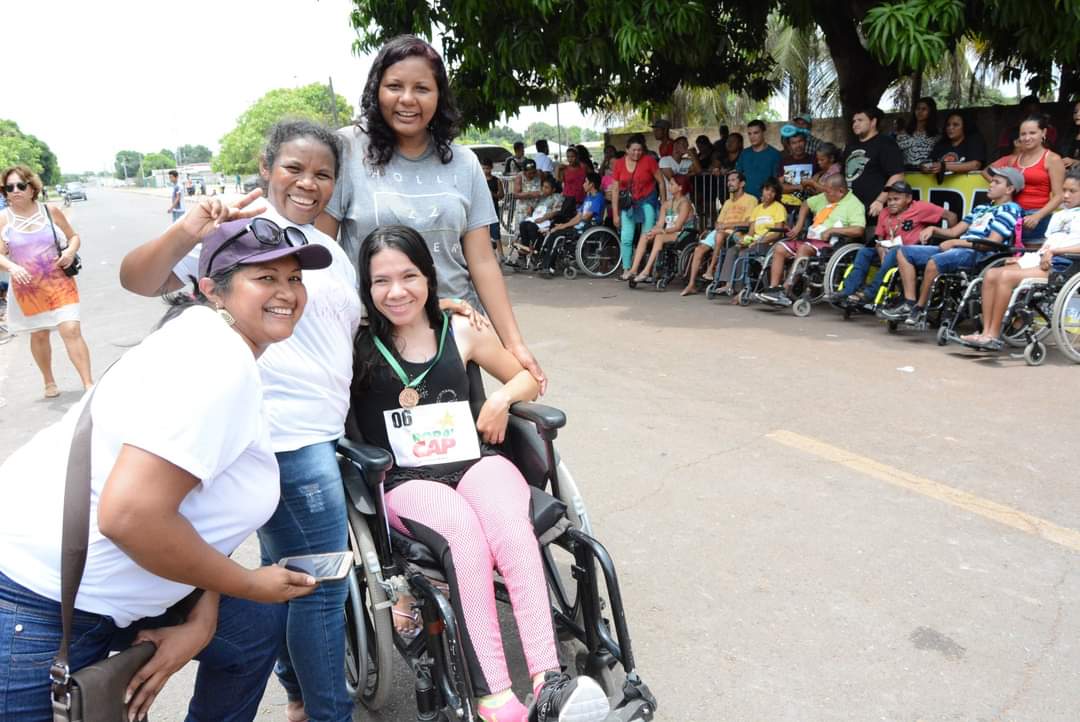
(1063, 231)
(679, 167)
(544, 164)
(306, 377)
(190, 394)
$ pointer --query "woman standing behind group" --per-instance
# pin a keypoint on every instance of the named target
(920, 134)
(1044, 177)
(403, 167)
(305, 383)
(37, 246)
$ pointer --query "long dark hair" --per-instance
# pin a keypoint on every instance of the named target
(931, 119)
(444, 127)
(366, 357)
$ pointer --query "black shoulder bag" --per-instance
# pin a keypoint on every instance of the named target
(94, 693)
(76, 263)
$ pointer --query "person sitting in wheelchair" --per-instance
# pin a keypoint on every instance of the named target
(589, 212)
(552, 207)
(1062, 237)
(734, 213)
(995, 222)
(837, 213)
(901, 223)
(756, 239)
(450, 487)
(676, 214)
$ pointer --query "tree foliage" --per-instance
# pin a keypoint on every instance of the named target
(156, 161)
(240, 146)
(194, 154)
(610, 53)
(19, 147)
(127, 163)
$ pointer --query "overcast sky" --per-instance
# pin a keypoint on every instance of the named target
(92, 78)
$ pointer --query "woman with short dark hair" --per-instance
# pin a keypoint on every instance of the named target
(37, 247)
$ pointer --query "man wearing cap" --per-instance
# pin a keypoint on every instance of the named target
(995, 222)
(803, 121)
(662, 132)
(899, 224)
(796, 165)
(758, 162)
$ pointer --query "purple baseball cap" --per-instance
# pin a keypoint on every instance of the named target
(257, 240)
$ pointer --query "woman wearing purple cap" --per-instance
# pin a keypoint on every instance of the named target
(305, 384)
(181, 472)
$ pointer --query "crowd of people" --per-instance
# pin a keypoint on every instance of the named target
(809, 197)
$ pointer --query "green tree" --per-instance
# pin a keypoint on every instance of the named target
(240, 146)
(127, 163)
(606, 52)
(195, 154)
(156, 161)
(19, 147)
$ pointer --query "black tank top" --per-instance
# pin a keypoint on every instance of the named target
(446, 382)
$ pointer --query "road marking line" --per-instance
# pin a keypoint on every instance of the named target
(1002, 514)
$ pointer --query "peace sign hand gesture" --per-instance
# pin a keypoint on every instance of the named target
(210, 213)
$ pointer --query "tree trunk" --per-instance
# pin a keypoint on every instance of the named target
(862, 79)
(916, 88)
(1069, 89)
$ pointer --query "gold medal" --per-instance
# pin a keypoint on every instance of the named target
(408, 397)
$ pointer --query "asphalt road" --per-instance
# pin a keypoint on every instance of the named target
(812, 520)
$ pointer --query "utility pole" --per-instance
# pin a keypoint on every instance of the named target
(333, 102)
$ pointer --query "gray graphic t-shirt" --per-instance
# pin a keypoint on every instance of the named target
(441, 201)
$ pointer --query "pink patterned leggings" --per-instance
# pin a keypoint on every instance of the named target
(482, 524)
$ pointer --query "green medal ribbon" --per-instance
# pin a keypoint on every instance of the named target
(404, 377)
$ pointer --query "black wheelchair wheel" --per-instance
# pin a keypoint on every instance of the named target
(598, 253)
(373, 661)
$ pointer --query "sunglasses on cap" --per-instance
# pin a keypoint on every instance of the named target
(21, 185)
(267, 233)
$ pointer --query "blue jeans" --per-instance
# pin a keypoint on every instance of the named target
(861, 266)
(957, 259)
(494, 232)
(311, 519)
(233, 668)
(1036, 235)
(919, 256)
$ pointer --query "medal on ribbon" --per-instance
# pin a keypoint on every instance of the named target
(409, 396)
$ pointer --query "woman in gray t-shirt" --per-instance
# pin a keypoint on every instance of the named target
(402, 167)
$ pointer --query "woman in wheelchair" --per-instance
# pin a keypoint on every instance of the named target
(1062, 237)
(450, 487)
(676, 214)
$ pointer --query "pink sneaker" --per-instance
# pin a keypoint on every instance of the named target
(511, 710)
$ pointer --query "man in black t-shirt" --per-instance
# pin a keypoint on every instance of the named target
(872, 162)
(515, 163)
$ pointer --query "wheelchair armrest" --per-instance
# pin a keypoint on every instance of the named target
(741, 229)
(372, 460)
(984, 245)
(1074, 257)
(546, 418)
(779, 229)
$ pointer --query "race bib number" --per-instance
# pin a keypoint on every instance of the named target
(432, 434)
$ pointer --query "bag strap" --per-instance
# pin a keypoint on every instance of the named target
(56, 240)
(74, 541)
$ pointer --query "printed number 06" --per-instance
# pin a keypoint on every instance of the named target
(401, 418)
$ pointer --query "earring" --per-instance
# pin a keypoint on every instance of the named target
(226, 316)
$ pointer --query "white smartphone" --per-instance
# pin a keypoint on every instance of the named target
(324, 567)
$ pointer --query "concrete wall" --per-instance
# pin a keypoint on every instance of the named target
(989, 120)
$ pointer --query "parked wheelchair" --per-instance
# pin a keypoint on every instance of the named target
(597, 252)
(672, 262)
(748, 271)
(590, 622)
(807, 281)
(841, 264)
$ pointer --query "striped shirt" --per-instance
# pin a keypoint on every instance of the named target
(986, 219)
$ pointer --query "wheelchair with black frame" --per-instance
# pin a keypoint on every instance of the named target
(598, 250)
(590, 622)
(807, 280)
(954, 304)
(1039, 308)
(673, 260)
(842, 264)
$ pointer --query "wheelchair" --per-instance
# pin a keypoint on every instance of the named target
(747, 271)
(807, 281)
(387, 564)
(598, 251)
(1039, 307)
(841, 263)
(672, 261)
(954, 306)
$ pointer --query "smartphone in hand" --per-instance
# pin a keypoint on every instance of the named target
(328, 567)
